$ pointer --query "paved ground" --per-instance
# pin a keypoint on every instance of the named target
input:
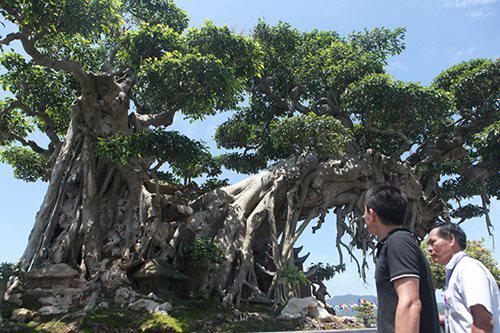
(358, 330)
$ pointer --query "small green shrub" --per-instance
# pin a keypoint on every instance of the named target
(291, 275)
(205, 248)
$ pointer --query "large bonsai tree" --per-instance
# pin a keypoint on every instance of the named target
(316, 121)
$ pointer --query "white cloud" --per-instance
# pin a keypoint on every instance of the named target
(468, 3)
(460, 54)
(479, 13)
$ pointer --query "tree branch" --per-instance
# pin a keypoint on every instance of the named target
(10, 37)
(10, 10)
(164, 118)
(28, 143)
(406, 143)
(50, 126)
(66, 65)
(265, 88)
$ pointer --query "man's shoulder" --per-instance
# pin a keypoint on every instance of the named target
(401, 237)
(473, 267)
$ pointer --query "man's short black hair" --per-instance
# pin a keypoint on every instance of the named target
(388, 202)
(448, 229)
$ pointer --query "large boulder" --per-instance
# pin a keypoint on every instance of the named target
(124, 296)
(22, 315)
(155, 276)
(305, 307)
(51, 310)
(114, 278)
(56, 271)
(142, 304)
(54, 275)
(150, 306)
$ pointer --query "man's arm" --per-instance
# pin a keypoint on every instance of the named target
(482, 320)
(409, 306)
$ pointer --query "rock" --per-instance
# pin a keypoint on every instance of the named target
(124, 296)
(114, 277)
(349, 320)
(143, 304)
(153, 297)
(155, 275)
(302, 307)
(57, 271)
(153, 269)
(163, 308)
(52, 276)
(103, 305)
(13, 298)
(321, 313)
(22, 315)
(150, 306)
(91, 302)
(51, 310)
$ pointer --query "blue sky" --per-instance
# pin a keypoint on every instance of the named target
(440, 33)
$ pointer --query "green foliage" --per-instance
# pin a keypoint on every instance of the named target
(89, 18)
(285, 137)
(147, 42)
(42, 91)
(7, 270)
(236, 52)
(205, 249)
(325, 271)
(380, 41)
(158, 12)
(322, 135)
(188, 158)
(161, 323)
(291, 275)
(366, 313)
(382, 103)
(243, 163)
(28, 165)
(475, 85)
(314, 91)
(116, 318)
(475, 250)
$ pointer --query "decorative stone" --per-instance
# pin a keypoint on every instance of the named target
(141, 304)
(22, 315)
(302, 307)
(163, 308)
(150, 306)
(113, 278)
(124, 296)
(13, 298)
(52, 275)
(103, 305)
(153, 275)
(51, 310)
(91, 301)
(153, 297)
(57, 271)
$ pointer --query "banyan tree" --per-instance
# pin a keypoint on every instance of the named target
(314, 122)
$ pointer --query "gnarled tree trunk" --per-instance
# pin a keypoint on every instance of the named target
(97, 215)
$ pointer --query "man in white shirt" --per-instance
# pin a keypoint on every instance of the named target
(471, 294)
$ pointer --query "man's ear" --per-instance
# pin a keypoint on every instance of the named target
(453, 240)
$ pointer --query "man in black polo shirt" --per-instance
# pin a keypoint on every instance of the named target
(406, 299)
